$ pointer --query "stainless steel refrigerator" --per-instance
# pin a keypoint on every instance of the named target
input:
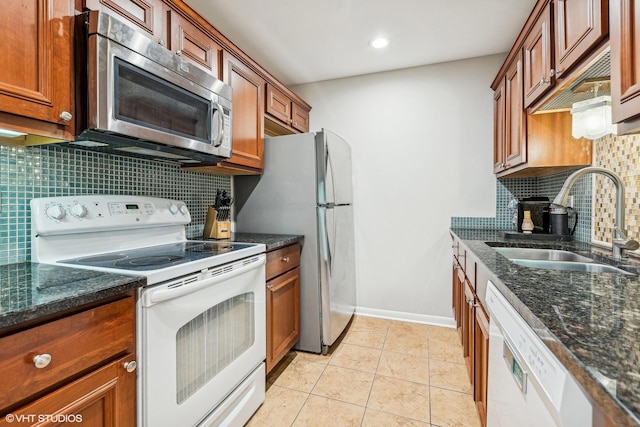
(307, 189)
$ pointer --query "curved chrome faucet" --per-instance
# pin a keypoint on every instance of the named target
(620, 241)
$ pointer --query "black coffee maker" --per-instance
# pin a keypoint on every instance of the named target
(547, 218)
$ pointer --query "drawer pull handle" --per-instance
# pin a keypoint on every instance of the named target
(285, 259)
(130, 366)
(42, 360)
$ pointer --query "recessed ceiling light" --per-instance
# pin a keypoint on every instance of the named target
(379, 42)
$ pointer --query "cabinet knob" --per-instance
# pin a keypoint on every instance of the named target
(66, 116)
(130, 366)
(270, 287)
(179, 52)
(42, 360)
(285, 259)
(543, 81)
(161, 42)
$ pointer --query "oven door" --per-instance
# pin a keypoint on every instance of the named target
(198, 340)
(137, 97)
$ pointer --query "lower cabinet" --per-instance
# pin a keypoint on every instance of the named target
(79, 369)
(472, 323)
(283, 302)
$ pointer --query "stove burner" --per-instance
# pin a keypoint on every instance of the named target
(148, 260)
(102, 258)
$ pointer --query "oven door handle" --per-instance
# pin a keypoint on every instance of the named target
(155, 296)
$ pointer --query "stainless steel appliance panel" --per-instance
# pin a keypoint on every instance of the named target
(333, 169)
(337, 269)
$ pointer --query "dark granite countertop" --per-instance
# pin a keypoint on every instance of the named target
(272, 241)
(31, 290)
(590, 321)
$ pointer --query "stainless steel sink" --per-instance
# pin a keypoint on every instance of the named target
(541, 254)
(553, 259)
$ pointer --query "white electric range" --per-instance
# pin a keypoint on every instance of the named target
(200, 317)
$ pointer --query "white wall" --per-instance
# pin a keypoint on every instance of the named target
(422, 153)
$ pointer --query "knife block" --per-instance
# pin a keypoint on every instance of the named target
(214, 229)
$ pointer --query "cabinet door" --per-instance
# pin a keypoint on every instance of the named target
(37, 62)
(580, 24)
(248, 114)
(143, 14)
(499, 127)
(278, 105)
(515, 117)
(106, 397)
(468, 328)
(458, 295)
(283, 315)
(299, 117)
(625, 59)
(481, 361)
(193, 44)
(537, 48)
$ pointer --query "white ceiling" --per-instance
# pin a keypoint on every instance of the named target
(302, 41)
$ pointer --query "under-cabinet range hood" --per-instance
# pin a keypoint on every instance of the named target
(595, 81)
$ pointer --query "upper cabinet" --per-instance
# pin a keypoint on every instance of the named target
(558, 41)
(248, 117)
(193, 44)
(563, 32)
(146, 15)
(36, 83)
(579, 25)
(538, 54)
(285, 111)
(625, 65)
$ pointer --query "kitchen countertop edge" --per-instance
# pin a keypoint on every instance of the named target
(40, 300)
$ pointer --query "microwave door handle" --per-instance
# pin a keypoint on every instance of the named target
(217, 107)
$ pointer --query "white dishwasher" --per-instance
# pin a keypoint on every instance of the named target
(527, 386)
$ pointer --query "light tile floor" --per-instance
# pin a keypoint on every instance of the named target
(381, 373)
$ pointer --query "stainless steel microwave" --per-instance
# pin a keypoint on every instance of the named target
(136, 97)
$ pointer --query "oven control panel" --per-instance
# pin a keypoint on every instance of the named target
(78, 214)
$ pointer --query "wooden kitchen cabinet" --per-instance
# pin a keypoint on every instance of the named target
(481, 362)
(472, 323)
(625, 64)
(283, 302)
(579, 25)
(80, 364)
(537, 58)
(191, 43)
(510, 120)
(280, 107)
(145, 15)
(36, 83)
(248, 116)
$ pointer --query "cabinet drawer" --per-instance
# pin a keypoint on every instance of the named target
(75, 344)
(282, 260)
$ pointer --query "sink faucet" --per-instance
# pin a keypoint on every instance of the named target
(619, 240)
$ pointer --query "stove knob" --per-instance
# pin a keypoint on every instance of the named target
(184, 210)
(79, 211)
(173, 208)
(55, 212)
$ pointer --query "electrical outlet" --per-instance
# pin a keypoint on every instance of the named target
(570, 201)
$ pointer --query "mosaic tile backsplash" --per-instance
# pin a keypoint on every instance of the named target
(547, 186)
(55, 170)
(620, 154)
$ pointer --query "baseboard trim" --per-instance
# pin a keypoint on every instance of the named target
(426, 319)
